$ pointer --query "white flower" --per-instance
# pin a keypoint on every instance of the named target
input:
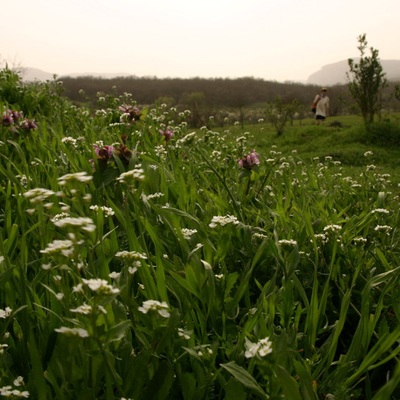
(83, 309)
(64, 247)
(223, 220)
(86, 224)
(154, 305)
(38, 195)
(262, 348)
(187, 233)
(290, 242)
(333, 228)
(100, 286)
(5, 313)
(380, 211)
(184, 334)
(19, 381)
(83, 333)
(77, 176)
(108, 211)
(114, 275)
(129, 176)
(131, 255)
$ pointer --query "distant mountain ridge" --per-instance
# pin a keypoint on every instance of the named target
(332, 74)
(35, 74)
(328, 75)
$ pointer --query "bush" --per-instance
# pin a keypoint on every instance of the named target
(386, 133)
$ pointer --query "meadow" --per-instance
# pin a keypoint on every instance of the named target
(141, 259)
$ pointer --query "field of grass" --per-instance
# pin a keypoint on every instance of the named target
(140, 259)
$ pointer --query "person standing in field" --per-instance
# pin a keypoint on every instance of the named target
(321, 106)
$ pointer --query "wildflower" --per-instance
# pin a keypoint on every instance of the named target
(129, 113)
(154, 305)
(380, 211)
(103, 152)
(19, 381)
(262, 348)
(57, 217)
(333, 228)
(28, 124)
(157, 195)
(131, 255)
(108, 211)
(77, 176)
(134, 174)
(249, 161)
(359, 240)
(167, 133)
(38, 195)
(184, 334)
(100, 286)
(384, 228)
(5, 313)
(114, 275)
(287, 242)
(65, 247)
(260, 235)
(83, 333)
(83, 309)
(223, 220)
(368, 153)
(86, 224)
(2, 347)
(187, 233)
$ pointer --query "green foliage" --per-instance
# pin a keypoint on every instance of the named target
(367, 81)
(385, 133)
(135, 264)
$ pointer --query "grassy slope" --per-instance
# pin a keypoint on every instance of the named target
(346, 144)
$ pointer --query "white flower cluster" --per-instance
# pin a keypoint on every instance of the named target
(100, 286)
(380, 211)
(64, 247)
(223, 220)
(38, 195)
(108, 211)
(262, 348)
(134, 174)
(83, 333)
(154, 305)
(8, 391)
(131, 255)
(187, 233)
(77, 176)
(84, 223)
(5, 313)
(287, 242)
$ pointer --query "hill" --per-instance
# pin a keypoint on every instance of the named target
(333, 74)
(35, 74)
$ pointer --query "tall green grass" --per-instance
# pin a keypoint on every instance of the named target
(164, 271)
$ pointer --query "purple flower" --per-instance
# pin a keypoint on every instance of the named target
(28, 124)
(129, 113)
(249, 161)
(167, 133)
(7, 118)
(104, 152)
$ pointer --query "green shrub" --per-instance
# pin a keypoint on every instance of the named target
(386, 133)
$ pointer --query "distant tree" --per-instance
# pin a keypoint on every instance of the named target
(279, 113)
(367, 81)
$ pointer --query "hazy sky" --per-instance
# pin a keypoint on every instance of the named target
(282, 40)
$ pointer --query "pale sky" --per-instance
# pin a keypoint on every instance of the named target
(281, 40)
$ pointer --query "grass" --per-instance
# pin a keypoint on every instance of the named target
(159, 269)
